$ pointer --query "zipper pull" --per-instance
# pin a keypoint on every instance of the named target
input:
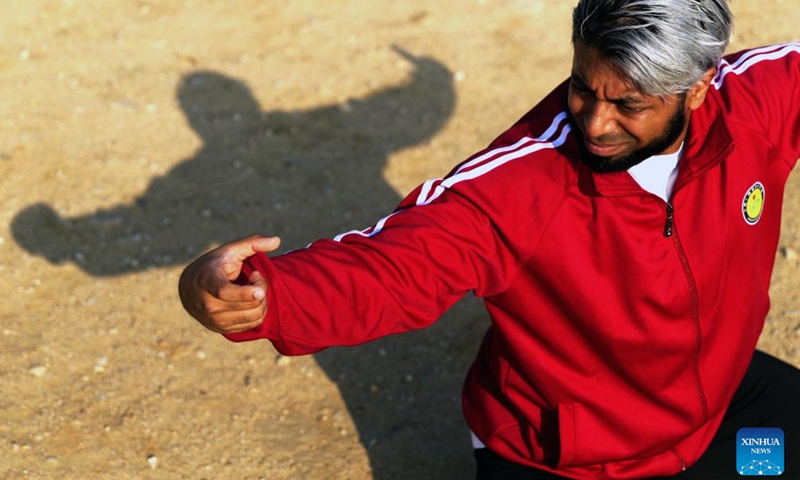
(670, 220)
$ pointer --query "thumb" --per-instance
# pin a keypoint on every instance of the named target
(264, 244)
(239, 250)
(233, 254)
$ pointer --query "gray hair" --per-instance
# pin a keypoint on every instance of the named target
(663, 46)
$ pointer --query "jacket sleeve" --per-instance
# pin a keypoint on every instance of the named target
(765, 84)
(398, 276)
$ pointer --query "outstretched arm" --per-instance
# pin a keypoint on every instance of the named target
(208, 291)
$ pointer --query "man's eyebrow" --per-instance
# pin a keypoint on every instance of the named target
(574, 78)
(629, 99)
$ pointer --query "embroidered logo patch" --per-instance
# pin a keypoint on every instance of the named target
(753, 203)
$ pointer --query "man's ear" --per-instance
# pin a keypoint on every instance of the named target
(697, 94)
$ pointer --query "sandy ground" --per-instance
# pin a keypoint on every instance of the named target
(135, 135)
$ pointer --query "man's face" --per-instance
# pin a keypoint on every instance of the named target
(620, 126)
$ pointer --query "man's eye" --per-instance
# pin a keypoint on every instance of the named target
(630, 108)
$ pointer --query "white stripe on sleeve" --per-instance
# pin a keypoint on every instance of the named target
(477, 167)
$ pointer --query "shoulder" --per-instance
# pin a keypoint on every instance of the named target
(543, 122)
(527, 166)
(760, 67)
(756, 91)
(532, 144)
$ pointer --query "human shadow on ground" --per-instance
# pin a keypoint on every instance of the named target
(302, 175)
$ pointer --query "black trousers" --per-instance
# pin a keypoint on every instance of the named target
(769, 396)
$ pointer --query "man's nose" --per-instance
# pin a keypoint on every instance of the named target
(598, 119)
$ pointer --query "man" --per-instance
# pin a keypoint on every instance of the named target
(622, 235)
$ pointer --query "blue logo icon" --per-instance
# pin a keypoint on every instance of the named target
(759, 451)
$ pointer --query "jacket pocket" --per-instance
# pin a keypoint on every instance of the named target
(583, 442)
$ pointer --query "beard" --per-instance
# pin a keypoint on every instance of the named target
(670, 135)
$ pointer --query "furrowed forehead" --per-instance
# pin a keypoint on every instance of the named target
(589, 66)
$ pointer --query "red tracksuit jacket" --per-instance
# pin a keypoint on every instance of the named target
(621, 324)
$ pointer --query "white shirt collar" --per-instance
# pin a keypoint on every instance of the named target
(657, 174)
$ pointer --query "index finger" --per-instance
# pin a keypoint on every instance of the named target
(230, 292)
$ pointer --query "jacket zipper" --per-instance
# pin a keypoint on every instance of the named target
(670, 220)
(670, 231)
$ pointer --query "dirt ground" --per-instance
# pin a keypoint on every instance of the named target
(135, 135)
